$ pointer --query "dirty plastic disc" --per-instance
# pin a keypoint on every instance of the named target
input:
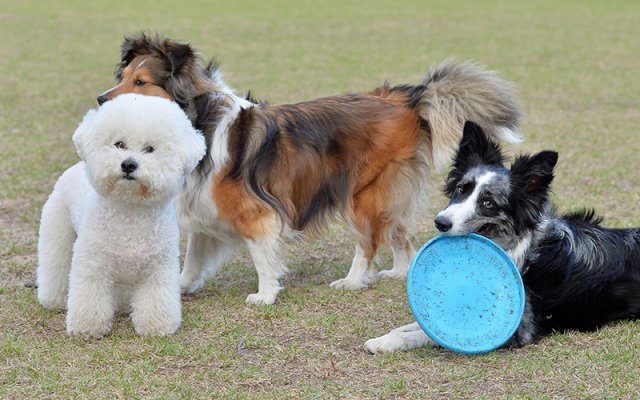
(465, 293)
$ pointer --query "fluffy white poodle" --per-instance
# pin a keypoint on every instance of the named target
(109, 234)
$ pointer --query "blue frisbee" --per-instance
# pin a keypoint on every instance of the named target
(465, 293)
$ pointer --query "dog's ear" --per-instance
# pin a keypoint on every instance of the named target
(475, 149)
(534, 173)
(81, 136)
(476, 146)
(531, 178)
(133, 46)
(177, 54)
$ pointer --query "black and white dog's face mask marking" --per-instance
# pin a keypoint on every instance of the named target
(478, 203)
(490, 199)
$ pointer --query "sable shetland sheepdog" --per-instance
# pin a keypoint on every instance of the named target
(276, 170)
(577, 274)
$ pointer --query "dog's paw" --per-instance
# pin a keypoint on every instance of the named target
(347, 284)
(85, 336)
(157, 330)
(54, 303)
(384, 344)
(51, 297)
(392, 273)
(93, 327)
(261, 299)
(156, 325)
(190, 287)
(88, 334)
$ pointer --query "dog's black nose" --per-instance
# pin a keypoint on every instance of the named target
(129, 165)
(101, 99)
(443, 224)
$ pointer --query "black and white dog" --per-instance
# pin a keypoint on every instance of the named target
(577, 274)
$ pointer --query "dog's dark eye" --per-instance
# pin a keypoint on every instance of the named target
(464, 187)
(488, 204)
(149, 149)
(139, 82)
(120, 145)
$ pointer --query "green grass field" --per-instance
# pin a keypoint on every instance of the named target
(575, 64)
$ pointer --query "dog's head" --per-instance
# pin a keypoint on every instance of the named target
(138, 148)
(161, 67)
(490, 199)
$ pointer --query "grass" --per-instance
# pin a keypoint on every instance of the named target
(575, 64)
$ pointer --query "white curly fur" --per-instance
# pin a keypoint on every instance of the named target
(109, 240)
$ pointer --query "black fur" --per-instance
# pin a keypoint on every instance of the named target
(577, 274)
(585, 291)
(209, 110)
(414, 93)
(531, 176)
(263, 161)
(474, 150)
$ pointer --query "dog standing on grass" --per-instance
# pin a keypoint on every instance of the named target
(576, 273)
(273, 171)
(109, 235)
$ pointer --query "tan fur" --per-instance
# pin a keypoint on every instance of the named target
(137, 77)
(249, 216)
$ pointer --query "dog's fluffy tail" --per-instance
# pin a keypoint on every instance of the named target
(457, 92)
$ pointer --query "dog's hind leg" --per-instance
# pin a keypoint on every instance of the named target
(361, 272)
(55, 250)
(403, 253)
(204, 256)
(369, 225)
(265, 252)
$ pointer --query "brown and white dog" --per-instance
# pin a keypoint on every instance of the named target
(273, 171)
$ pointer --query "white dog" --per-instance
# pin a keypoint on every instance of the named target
(109, 238)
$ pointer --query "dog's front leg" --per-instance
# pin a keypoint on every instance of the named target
(91, 305)
(265, 253)
(204, 256)
(156, 301)
(406, 337)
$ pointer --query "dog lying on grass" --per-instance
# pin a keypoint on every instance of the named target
(109, 236)
(577, 274)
